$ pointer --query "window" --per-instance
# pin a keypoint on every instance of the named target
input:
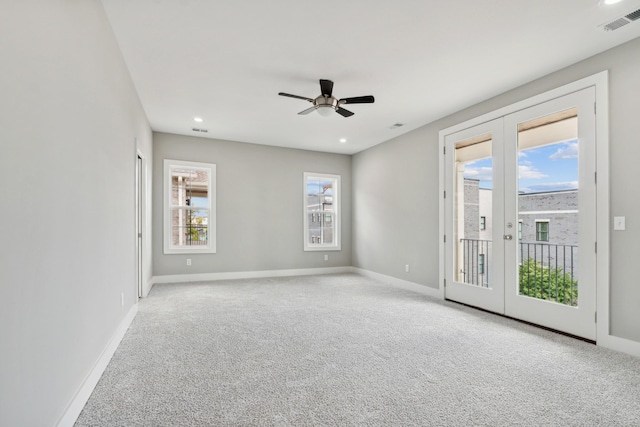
(321, 212)
(481, 264)
(542, 230)
(189, 207)
(483, 223)
(520, 230)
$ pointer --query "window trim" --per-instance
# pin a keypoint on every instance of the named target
(168, 247)
(336, 219)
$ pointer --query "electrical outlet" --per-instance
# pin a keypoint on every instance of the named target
(188, 261)
(326, 257)
(406, 268)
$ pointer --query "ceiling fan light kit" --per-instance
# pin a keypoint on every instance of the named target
(326, 103)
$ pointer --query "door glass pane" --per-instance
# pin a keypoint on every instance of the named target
(472, 211)
(548, 208)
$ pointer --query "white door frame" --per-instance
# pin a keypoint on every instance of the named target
(600, 83)
(140, 220)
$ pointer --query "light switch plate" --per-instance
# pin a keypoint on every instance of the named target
(618, 223)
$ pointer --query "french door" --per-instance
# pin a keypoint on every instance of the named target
(520, 219)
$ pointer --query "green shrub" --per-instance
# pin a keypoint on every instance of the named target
(546, 283)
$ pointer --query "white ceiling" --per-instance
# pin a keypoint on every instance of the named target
(226, 61)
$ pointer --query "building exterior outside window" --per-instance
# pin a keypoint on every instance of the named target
(537, 211)
(321, 212)
(189, 207)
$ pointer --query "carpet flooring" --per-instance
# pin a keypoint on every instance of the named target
(345, 350)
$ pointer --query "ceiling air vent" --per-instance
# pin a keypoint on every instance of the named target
(621, 22)
(199, 130)
(633, 15)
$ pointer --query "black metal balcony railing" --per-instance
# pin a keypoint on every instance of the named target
(546, 271)
(475, 262)
(194, 234)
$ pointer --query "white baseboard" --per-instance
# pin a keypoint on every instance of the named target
(622, 345)
(82, 396)
(206, 277)
(399, 283)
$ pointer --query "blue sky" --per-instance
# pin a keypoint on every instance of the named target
(314, 186)
(200, 202)
(548, 168)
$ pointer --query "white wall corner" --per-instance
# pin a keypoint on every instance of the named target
(146, 287)
(80, 399)
(400, 283)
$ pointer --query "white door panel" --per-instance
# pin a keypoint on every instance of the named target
(474, 264)
(566, 260)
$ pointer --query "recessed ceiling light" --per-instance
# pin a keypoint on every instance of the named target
(197, 119)
(343, 140)
(609, 2)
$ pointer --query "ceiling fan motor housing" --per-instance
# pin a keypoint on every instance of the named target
(326, 101)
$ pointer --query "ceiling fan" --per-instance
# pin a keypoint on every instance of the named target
(326, 103)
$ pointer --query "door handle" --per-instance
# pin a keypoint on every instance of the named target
(508, 237)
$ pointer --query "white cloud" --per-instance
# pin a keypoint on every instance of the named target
(550, 186)
(528, 172)
(483, 173)
(568, 151)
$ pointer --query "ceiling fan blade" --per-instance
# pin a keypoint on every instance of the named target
(295, 96)
(308, 110)
(358, 100)
(343, 112)
(326, 87)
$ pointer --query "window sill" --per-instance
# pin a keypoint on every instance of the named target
(322, 248)
(189, 251)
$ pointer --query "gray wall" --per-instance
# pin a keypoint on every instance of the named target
(69, 116)
(396, 187)
(259, 206)
(395, 214)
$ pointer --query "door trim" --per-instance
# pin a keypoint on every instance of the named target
(600, 82)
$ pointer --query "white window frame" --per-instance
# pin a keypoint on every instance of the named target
(169, 247)
(336, 245)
